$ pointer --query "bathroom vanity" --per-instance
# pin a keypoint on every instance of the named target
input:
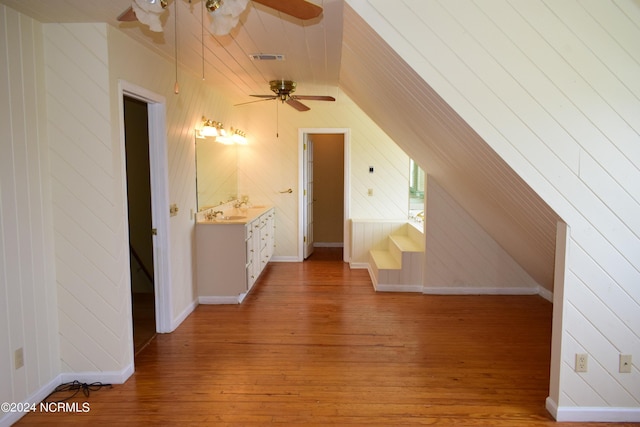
(232, 249)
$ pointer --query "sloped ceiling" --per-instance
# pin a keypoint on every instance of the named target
(451, 152)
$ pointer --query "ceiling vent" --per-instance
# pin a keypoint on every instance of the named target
(266, 57)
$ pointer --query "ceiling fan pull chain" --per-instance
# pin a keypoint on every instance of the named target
(176, 86)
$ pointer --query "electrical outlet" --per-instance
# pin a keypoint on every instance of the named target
(625, 364)
(370, 191)
(581, 362)
(18, 358)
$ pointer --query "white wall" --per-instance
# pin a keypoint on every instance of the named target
(462, 257)
(28, 316)
(90, 231)
(552, 87)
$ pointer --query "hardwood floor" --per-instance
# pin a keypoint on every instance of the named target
(144, 319)
(313, 344)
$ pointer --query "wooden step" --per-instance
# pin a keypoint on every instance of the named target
(384, 260)
(406, 243)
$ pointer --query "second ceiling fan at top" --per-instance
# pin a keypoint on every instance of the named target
(148, 11)
(283, 90)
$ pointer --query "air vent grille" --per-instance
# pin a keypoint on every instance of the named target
(267, 57)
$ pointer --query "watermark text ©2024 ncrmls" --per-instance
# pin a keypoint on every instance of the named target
(77, 407)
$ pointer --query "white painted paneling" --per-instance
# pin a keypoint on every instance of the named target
(370, 234)
(552, 88)
(83, 169)
(27, 283)
(434, 135)
(460, 253)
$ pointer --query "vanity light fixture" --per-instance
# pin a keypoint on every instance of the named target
(210, 129)
(238, 136)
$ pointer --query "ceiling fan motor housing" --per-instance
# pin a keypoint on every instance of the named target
(283, 88)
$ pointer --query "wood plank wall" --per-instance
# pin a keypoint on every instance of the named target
(552, 87)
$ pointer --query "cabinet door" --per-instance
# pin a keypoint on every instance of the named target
(271, 226)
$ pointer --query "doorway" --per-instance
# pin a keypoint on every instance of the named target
(136, 120)
(159, 186)
(323, 198)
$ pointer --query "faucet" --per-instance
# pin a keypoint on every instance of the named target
(213, 215)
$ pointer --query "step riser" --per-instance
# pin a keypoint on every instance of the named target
(400, 267)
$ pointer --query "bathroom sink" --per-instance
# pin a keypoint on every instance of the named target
(233, 217)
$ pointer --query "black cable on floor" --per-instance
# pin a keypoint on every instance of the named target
(74, 387)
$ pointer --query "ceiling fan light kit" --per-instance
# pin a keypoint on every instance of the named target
(148, 12)
(225, 14)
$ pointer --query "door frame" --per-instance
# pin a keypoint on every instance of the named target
(159, 179)
(302, 138)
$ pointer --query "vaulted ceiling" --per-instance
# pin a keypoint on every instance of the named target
(321, 56)
(311, 48)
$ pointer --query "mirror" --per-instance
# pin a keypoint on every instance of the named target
(216, 172)
(416, 191)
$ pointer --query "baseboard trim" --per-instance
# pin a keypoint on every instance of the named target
(38, 396)
(398, 288)
(374, 280)
(545, 293)
(182, 316)
(467, 290)
(213, 300)
(108, 377)
(358, 265)
(592, 414)
(285, 259)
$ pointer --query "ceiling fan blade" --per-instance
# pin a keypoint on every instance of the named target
(297, 104)
(128, 15)
(264, 96)
(259, 100)
(314, 97)
(300, 9)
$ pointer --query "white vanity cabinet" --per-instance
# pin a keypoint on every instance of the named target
(231, 255)
(260, 244)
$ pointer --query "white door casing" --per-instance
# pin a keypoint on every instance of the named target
(308, 197)
(302, 221)
(159, 178)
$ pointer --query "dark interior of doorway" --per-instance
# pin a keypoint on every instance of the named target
(328, 194)
(140, 223)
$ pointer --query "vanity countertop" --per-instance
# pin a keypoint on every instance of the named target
(234, 215)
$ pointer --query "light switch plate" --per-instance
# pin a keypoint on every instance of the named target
(18, 358)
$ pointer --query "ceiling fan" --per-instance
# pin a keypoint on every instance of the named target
(283, 90)
(147, 11)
